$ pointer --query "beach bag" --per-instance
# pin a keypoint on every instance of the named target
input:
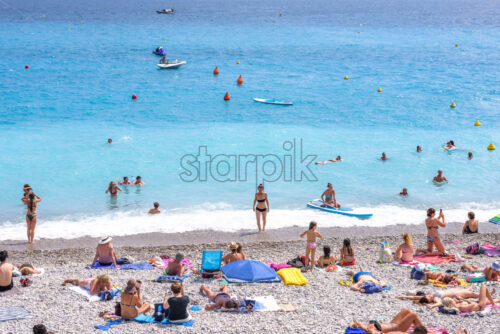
(371, 287)
(476, 278)
(118, 309)
(475, 249)
(122, 261)
(452, 311)
(417, 273)
(296, 263)
(385, 253)
(280, 266)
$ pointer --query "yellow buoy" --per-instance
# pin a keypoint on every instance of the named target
(456, 45)
(477, 123)
(164, 41)
(346, 77)
(69, 28)
(238, 62)
(453, 105)
(379, 89)
(43, 15)
(358, 32)
(281, 14)
(491, 147)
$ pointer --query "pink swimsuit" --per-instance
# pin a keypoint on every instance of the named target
(311, 245)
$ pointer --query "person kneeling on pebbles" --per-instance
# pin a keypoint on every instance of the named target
(365, 282)
(219, 300)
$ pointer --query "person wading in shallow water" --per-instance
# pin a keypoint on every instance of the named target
(31, 202)
(262, 207)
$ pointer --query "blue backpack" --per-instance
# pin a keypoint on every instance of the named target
(417, 273)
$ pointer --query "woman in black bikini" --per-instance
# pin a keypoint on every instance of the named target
(262, 207)
(31, 202)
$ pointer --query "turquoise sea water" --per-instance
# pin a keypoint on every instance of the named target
(87, 59)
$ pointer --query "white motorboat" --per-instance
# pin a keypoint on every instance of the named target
(166, 11)
(172, 63)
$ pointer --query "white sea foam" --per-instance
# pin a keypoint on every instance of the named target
(224, 217)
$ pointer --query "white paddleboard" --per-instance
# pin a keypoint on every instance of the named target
(318, 204)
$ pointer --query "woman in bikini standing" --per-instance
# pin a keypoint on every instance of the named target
(31, 202)
(433, 225)
(328, 197)
(113, 189)
(262, 207)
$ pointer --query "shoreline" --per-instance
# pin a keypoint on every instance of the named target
(157, 239)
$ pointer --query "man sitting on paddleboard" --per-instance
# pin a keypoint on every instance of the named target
(328, 197)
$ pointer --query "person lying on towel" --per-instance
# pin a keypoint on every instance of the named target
(491, 273)
(435, 298)
(362, 279)
(220, 300)
(105, 253)
(95, 285)
(441, 278)
(400, 324)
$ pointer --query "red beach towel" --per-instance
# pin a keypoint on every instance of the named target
(434, 259)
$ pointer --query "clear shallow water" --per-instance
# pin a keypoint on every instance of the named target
(56, 116)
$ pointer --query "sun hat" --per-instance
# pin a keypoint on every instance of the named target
(495, 266)
(178, 257)
(105, 240)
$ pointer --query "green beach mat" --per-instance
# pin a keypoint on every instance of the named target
(495, 220)
(224, 281)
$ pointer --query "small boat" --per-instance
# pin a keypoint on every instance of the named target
(166, 11)
(273, 101)
(160, 51)
(318, 205)
(172, 63)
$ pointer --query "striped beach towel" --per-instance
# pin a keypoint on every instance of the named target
(13, 313)
(495, 220)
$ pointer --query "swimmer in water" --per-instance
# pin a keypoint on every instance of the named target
(328, 161)
(113, 189)
(439, 178)
(383, 157)
(110, 141)
(138, 181)
(470, 156)
(419, 149)
(404, 192)
(449, 145)
(125, 181)
(155, 209)
(328, 197)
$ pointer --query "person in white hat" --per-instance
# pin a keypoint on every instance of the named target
(105, 253)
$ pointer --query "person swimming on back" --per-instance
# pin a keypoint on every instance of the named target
(439, 178)
(338, 158)
(138, 181)
(328, 197)
(472, 225)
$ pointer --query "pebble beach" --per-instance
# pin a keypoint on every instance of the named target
(322, 305)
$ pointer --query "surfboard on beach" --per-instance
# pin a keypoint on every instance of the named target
(318, 204)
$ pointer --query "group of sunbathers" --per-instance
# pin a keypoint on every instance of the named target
(7, 271)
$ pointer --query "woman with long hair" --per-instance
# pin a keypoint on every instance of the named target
(31, 201)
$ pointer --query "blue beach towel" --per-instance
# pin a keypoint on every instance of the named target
(146, 319)
(137, 266)
(108, 324)
(97, 265)
(13, 313)
(350, 330)
(172, 278)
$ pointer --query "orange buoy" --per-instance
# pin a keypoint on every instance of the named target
(26, 66)
(240, 80)
(216, 71)
(134, 97)
(227, 97)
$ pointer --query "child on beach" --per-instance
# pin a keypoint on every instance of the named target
(312, 234)
(347, 254)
